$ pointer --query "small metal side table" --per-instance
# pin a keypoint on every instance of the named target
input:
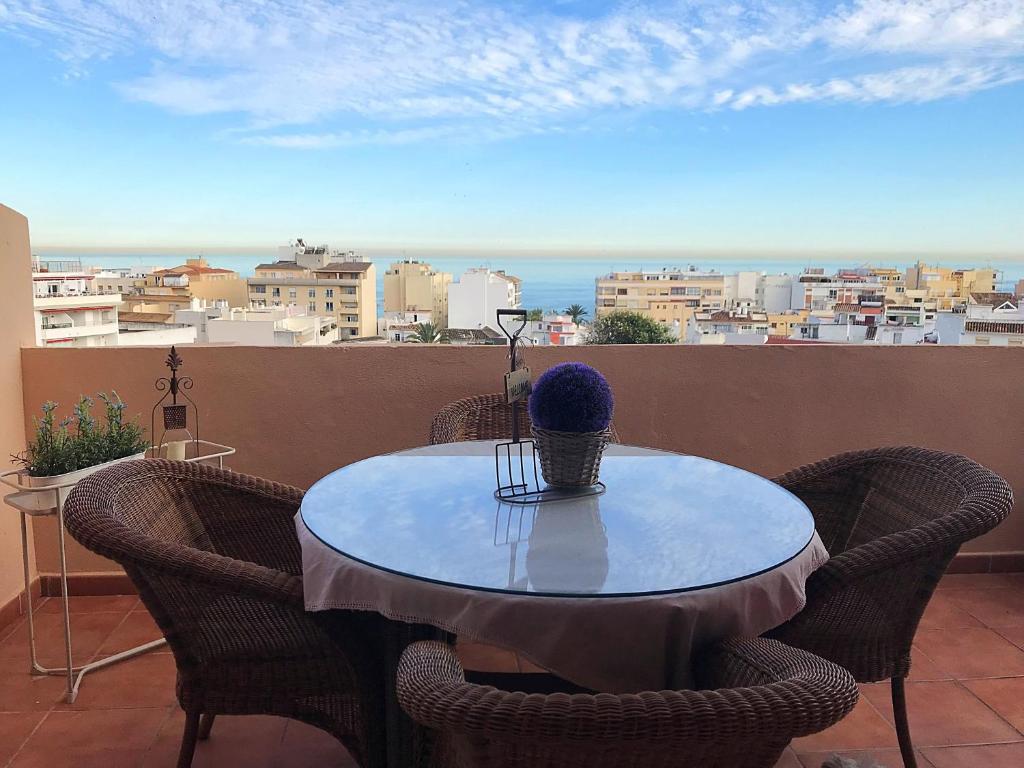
(32, 501)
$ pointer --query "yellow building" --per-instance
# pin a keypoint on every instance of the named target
(412, 286)
(782, 323)
(946, 288)
(669, 296)
(168, 290)
(344, 290)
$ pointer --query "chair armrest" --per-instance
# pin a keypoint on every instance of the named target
(805, 694)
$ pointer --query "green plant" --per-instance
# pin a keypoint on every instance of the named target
(535, 314)
(624, 327)
(57, 449)
(576, 312)
(426, 333)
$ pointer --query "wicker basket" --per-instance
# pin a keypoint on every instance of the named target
(570, 459)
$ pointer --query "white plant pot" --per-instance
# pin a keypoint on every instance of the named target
(69, 478)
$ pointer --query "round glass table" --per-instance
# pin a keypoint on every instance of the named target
(610, 591)
(667, 523)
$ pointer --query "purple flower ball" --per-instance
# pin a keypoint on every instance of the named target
(571, 397)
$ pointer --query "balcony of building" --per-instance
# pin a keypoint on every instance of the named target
(297, 414)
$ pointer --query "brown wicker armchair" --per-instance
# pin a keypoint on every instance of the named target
(484, 417)
(766, 694)
(892, 519)
(216, 561)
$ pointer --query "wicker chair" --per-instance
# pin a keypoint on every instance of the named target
(484, 417)
(766, 694)
(892, 519)
(216, 561)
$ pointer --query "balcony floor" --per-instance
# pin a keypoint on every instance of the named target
(966, 695)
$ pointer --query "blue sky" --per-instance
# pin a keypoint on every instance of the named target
(872, 125)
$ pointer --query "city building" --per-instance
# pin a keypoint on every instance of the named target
(672, 296)
(944, 288)
(814, 290)
(152, 329)
(775, 293)
(401, 326)
(553, 330)
(67, 310)
(475, 298)
(987, 319)
(168, 290)
(736, 326)
(413, 287)
(324, 282)
(271, 327)
(123, 280)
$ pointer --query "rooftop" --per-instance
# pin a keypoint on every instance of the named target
(345, 266)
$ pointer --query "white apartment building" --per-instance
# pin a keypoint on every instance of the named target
(553, 331)
(987, 320)
(814, 290)
(401, 326)
(271, 327)
(775, 293)
(69, 313)
(474, 300)
(740, 326)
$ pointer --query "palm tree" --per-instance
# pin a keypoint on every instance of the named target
(576, 312)
(426, 333)
(535, 314)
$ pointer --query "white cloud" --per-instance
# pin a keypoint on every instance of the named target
(421, 71)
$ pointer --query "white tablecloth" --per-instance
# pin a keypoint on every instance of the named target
(610, 644)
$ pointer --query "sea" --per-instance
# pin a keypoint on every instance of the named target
(548, 282)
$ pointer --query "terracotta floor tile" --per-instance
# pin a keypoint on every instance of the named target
(1005, 695)
(981, 581)
(789, 760)
(304, 746)
(971, 652)
(923, 668)
(944, 713)
(993, 607)
(944, 613)
(869, 758)
(143, 681)
(863, 728)
(15, 728)
(253, 741)
(137, 628)
(486, 658)
(22, 692)
(114, 738)
(91, 604)
(988, 756)
(88, 631)
(1014, 634)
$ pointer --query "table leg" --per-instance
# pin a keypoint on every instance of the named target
(374, 646)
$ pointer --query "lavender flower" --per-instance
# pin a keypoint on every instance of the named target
(571, 397)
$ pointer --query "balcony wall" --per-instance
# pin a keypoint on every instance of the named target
(296, 414)
(16, 330)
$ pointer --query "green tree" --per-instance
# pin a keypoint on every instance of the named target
(624, 327)
(426, 333)
(576, 312)
(535, 314)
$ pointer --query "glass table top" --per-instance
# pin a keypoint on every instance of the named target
(667, 523)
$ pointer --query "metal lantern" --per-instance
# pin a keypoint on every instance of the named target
(175, 414)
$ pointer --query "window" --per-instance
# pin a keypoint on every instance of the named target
(276, 292)
(311, 293)
(330, 293)
(691, 291)
(620, 291)
(329, 306)
(291, 293)
(981, 341)
(258, 288)
(311, 307)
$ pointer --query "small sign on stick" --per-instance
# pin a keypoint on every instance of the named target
(517, 385)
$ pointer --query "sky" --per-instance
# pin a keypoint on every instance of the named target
(572, 126)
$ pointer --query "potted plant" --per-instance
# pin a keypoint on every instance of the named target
(65, 451)
(571, 409)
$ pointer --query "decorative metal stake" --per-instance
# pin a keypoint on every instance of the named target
(175, 414)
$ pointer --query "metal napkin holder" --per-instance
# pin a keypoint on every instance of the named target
(520, 481)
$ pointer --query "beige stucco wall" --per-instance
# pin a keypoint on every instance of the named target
(15, 331)
(296, 414)
(235, 291)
